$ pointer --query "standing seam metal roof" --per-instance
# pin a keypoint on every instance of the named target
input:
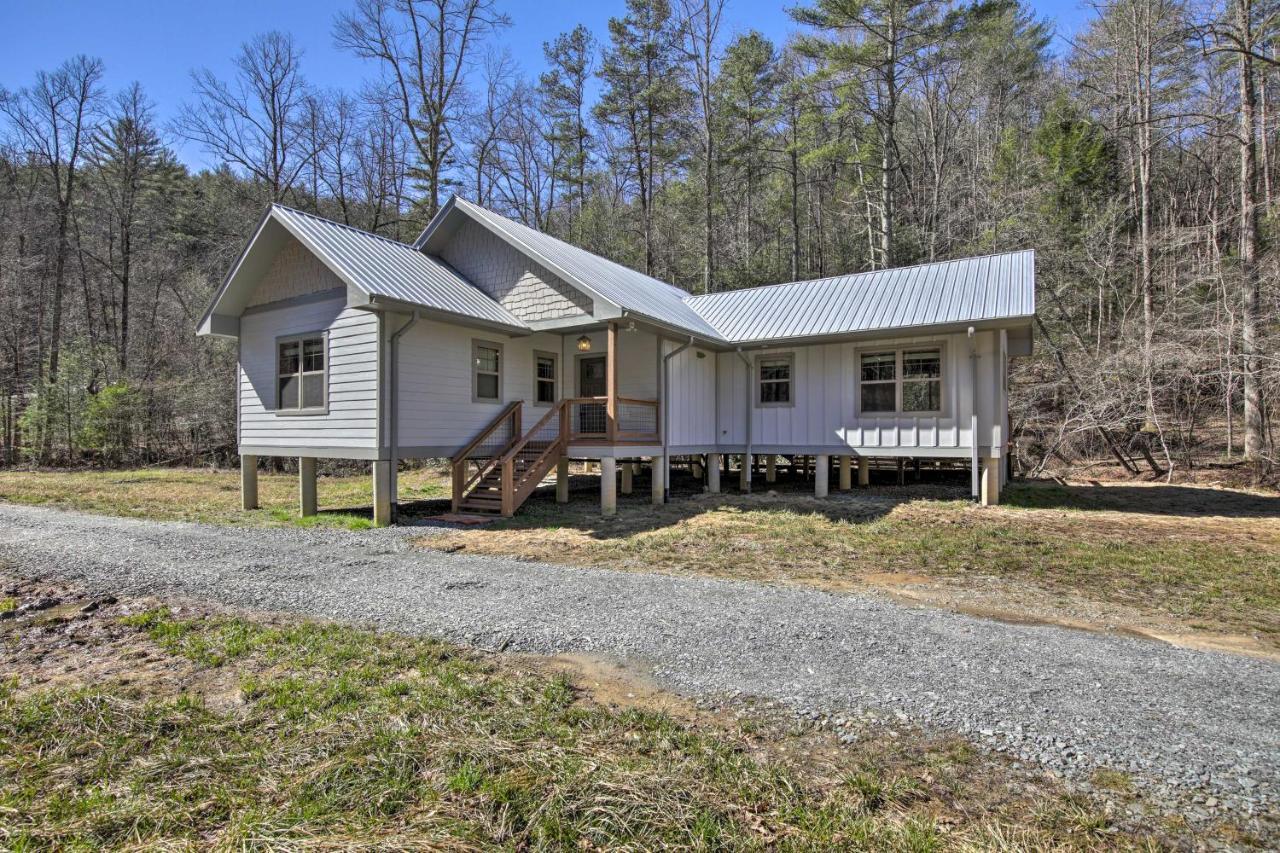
(963, 291)
(628, 289)
(380, 266)
(968, 290)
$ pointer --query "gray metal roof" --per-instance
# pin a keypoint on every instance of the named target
(626, 288)
(970, 290)
(380, 266)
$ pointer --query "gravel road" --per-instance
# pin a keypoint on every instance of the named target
(1192, 725)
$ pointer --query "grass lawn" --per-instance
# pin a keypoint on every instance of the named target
(163, 728)
(1207, 558)
(198, 494)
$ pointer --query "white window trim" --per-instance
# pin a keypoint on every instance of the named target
(323, 335)
(555, 379)
(898, 350)
(790, 358)
(475, 371)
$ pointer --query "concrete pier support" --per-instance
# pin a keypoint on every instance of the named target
(846, 473)
(771, 469)
(990, 492)
(658, 482)
(248, 482)
(307, 486)
(713, 473)
(864, 471)
(562, 480)
(744, 474)
(628, 474)
(384, 488)
(608, 486)
(822, 469)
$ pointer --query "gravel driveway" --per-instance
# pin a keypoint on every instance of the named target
(1190, 723)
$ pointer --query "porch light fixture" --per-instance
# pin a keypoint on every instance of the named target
(584, 344)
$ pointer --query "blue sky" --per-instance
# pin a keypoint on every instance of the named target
(158, 43)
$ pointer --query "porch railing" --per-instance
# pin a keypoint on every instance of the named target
(485, 451)
(588, 420)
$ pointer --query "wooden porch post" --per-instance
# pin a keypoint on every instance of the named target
(611, 384)
(307, 486)
(383, 491)
(248, 482)
(562, 480)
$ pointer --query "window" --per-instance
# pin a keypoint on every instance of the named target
(773, 379)
(879, 381)
(922, 380)
(545, 376)
(300, 374)
(907, 381)
(486, 369)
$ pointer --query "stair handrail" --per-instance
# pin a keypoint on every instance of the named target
(459, 461)
(514, 492)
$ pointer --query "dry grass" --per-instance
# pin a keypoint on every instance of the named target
(1205, 558)
(208, 495)
(196, 729)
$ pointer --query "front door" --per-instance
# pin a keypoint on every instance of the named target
(592, 382)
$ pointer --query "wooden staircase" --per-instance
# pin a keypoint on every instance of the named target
(498, 471)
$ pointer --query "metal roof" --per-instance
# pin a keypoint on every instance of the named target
(382, 267)
(626, 288)
(969, 290)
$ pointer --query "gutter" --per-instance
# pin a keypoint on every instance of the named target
(663, 397)
(750, 397)
(393, 399)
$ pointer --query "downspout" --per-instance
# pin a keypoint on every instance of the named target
(973, 411)
(666, 413)
(393, 398)
(746, 459)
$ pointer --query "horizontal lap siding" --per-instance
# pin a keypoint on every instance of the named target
(352, 392)
(435, 375)
(826, 399)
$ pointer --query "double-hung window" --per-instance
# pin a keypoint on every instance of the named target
(486, 372)
(301, 374)
(907, 381)
(774, 380)
(544, 378)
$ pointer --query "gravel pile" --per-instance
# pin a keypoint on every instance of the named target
(1192, 726)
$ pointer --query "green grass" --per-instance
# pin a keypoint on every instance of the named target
(342, 737)
(211, 496)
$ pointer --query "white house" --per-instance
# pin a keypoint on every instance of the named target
(511, 352)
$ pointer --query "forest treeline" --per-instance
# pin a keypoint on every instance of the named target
(1138, 158)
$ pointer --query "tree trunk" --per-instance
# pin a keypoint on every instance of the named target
(1254, 426)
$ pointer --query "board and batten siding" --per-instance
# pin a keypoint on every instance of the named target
(351, 395)
(692, 398)
(826, 400)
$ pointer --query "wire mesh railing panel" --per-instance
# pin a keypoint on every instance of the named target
(638, 417)
(589, 418)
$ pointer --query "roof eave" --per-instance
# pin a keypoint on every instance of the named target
(385, 303)
(887, 332)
